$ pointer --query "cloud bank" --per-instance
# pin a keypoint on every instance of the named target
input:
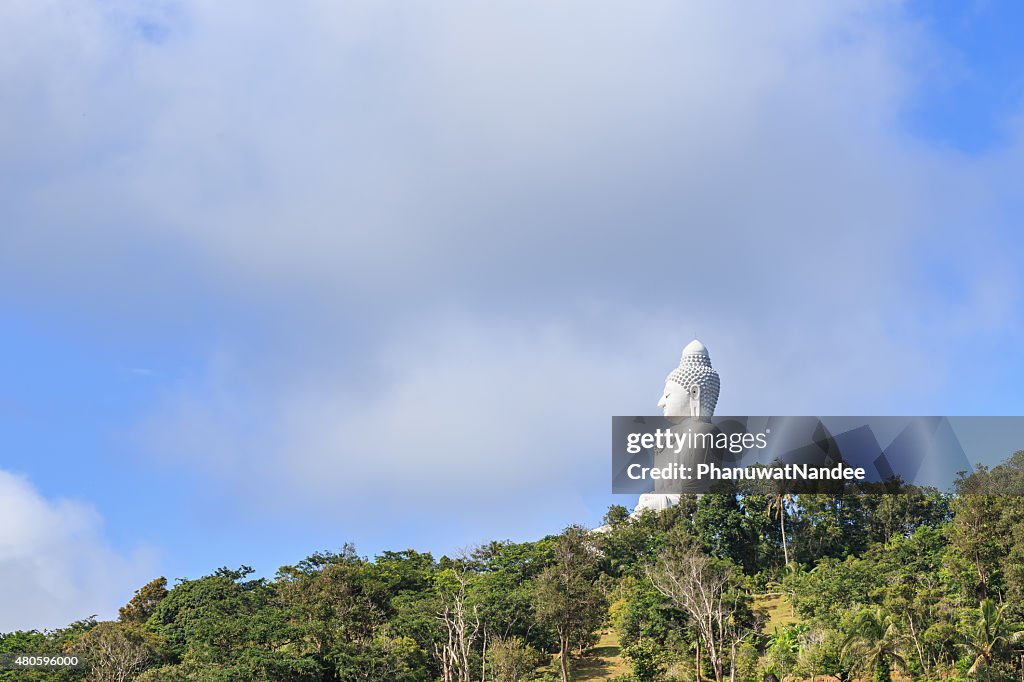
(56, 566)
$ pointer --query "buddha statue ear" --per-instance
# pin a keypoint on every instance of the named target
(694, 392)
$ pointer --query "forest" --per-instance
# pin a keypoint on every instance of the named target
(736, 585)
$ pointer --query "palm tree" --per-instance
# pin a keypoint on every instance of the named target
(778, 503)
(990, 634)
(874, 643)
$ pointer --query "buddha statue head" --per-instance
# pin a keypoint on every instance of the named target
(691, 390)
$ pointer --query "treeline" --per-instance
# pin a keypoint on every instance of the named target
(917, 585)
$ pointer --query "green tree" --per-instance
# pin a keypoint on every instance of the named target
(783, 649)
(567, 598)
(512, 659)
(335, 606)
(646, 659)
(504, 590)
(829, 525)
(725, 530)
(232, 628)
(914, 588)
(324, 598)
(832, 588)
(626, 545)
(40, 643)
(990, 635)
(873, 643)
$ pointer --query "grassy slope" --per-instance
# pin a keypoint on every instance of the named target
(602, 662)
(780, 612)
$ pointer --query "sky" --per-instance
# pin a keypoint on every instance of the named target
(277, 279)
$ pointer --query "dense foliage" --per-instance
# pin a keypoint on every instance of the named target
(746, 587)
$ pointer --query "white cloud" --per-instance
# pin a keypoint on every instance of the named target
(56, 566)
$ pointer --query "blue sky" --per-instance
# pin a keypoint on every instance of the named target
(272, 281)
(967, 105)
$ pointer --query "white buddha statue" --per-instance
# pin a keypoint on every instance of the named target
(690, 396)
